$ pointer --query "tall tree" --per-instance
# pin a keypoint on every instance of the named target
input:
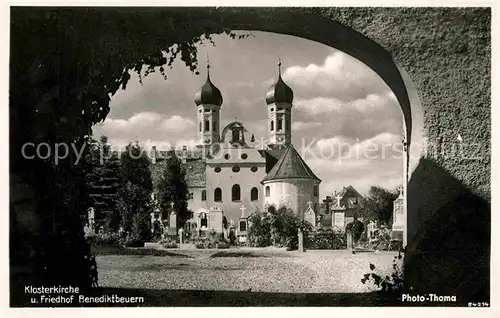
(135, 194)
(379, 204)
(103, 183)
(173, 188)
(57, 92)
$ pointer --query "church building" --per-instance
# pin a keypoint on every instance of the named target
(230, 175)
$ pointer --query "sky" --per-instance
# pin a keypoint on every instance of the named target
(346, 122)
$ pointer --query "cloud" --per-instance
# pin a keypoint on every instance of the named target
(145, 126)
(342, 161)
(300, 125)
(340, 76)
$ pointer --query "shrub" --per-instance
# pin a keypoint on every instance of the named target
(132, 240)
(390, 284)
(259, 231)
(106, 238)
(222, 245)
(212, 241)
(232, 238)
(168, 243)
(325, 238)
(396, 245)
(356, 227)
(383, 240)
(277, 227)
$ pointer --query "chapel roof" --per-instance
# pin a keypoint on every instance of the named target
(208, 93)
(279, 92)
(290, 166)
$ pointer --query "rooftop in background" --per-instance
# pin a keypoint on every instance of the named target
(290, 166)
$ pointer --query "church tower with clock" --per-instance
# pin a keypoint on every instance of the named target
(208, 101)
(279, 100)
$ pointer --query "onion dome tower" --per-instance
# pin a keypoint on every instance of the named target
(208, 100)
(279, 100)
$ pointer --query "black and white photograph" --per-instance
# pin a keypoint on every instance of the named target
(249, 156)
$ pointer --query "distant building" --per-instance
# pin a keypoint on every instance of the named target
(230, 175)
(342, 208)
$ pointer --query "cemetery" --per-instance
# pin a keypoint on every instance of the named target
(295, 253)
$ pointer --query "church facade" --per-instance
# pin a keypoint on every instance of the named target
(230, 175)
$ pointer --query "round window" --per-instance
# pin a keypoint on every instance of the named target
(254, 169)
(227, 156)
(236, 169)
(217, 169)
(244, 156)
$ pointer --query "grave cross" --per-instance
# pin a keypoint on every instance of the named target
(401, 189)
(243, 210)
(327, 202)
(338, 197)
(309, 205)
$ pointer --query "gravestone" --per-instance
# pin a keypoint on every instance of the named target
(91, 219)
(216, 219)
(371, 231)
(172, 225)
(398, 216)
(181, 236)
(339, 219)
(242, 226)
(350, 244)
(300, 235)
(310, 215)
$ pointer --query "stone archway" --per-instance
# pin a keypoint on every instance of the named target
(430, 45)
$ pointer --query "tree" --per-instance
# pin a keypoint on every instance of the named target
(135, 194)
(103, 183)
(356, 227)
(379, 204)
(56, 94)
(173, 188)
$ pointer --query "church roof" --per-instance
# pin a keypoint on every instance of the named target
(279, 92)
(195, 172)
(272, 157)
(208, 93)
(290, 166)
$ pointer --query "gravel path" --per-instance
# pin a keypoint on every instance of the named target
(258, 270)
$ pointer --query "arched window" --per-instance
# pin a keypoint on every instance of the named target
(207, 125)
(272, 125)
(254, 194)
(203, 195)
(236, 193)
(236, 135)
(315, 191)
(203, 220)
(279, 124)
(200, 125)
(268, 191)
(217, 195)
(243, 226)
